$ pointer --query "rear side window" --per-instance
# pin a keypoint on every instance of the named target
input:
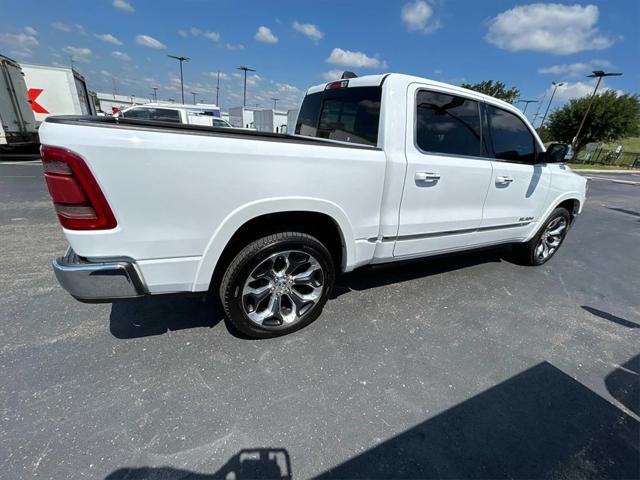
(512, 140)
(345, 114)
(447, 124)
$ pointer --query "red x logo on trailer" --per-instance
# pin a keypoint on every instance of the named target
(33, 94)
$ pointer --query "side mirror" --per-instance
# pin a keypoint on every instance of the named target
(556, 152)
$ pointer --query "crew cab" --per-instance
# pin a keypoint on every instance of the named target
(176, 113)
(381, 168)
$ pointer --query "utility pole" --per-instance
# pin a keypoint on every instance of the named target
(155, 93)
(218, 90)
(245, 70)
(537, 114)
(115, 87)
(555, 87)
(194, 97)
(275, 102)
(599, 74)
(180, 59)
(526, 104)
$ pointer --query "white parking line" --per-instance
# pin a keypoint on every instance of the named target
(613, 180)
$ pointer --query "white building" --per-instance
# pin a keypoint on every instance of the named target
(110, 101)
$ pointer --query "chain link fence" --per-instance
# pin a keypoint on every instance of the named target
(607, 156)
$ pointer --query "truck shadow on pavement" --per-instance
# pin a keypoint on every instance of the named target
(388, 274)
(540, 423)
(156, 315)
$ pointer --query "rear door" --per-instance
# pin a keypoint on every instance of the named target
(447, 175)
(519, 186)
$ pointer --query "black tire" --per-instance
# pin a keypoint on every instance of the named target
(525, 253)
(253, 256)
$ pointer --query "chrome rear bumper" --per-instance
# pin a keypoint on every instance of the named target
(102, 281)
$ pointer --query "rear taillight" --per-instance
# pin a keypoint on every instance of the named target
(78, 200)
(338, 84)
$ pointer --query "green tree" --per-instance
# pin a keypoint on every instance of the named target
(495, 89)
(612, 116)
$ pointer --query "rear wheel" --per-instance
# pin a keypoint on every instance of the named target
(277, 284)
(547, 241)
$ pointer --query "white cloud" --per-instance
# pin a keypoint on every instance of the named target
(234, 46)
(80, 29)
(418, 16)
(24, 53)
(347, 58)
(123, 5)
(310, 30)
(183, 33)
(287, 88)
(213, 36)
(19, 40)
(120, 56)
(575, 69)
(107, 37)
(80, 54)
(195, 31)
(147, 41)
(223, 76)
(31, 31)
(554, 28)
(332, 75)
(265, 35)
(63, 27)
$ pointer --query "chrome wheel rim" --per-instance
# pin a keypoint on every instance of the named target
(551, 238)
(282, 288)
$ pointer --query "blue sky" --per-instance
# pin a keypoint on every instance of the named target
(296, 43)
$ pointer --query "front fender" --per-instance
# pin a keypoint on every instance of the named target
(230, 225)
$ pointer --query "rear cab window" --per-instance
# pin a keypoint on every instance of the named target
(158, 114)
(344, 114)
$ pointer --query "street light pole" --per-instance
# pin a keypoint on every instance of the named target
(526, 104)
(180, 59)
(245, 70)
(599, 74)
(218, 90)
(275, 102)
(555, 87)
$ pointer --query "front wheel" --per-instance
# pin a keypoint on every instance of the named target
(547, 241)
(277, 284)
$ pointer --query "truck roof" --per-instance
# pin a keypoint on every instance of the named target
(401, 78)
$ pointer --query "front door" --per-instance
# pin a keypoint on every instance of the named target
(519, 186)
(447, 175)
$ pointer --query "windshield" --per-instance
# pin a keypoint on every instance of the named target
(345, 114)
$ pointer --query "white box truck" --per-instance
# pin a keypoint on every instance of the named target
(17, 122)
(56, 91)
(270, 121)
(242, 117)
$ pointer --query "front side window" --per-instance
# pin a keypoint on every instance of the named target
(142, 113)
(512, 140)
(447, 124)
(345, 114)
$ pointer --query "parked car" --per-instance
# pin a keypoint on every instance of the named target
(382, 168)
(17, 122)
(174, 113)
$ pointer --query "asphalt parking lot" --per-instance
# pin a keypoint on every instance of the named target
(460, 367)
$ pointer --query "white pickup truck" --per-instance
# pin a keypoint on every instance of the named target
(381, 168)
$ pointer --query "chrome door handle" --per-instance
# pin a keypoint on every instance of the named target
(427, 177)
(504, 180)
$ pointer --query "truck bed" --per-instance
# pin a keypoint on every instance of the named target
(190, 129)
